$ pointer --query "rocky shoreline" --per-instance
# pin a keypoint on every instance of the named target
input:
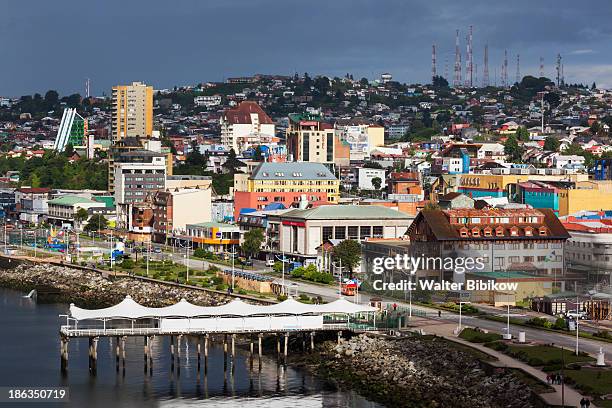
(91, 290)
(415, 372)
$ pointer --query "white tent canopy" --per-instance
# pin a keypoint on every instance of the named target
(129, 309)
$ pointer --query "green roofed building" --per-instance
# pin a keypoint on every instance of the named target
(62, 210)
(299, 233)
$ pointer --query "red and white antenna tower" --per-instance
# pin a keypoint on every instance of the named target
(87, 89)
(541, 67)
(518, 68)
(457, 77)
(485, 74)
(469, 62)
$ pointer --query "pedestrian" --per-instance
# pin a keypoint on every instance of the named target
(582, 403)
(547, 378)
(394, 307)
(587, 402)
(439, 313)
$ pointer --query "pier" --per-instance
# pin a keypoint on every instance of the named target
(200, 323)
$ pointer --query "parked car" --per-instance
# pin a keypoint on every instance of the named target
(576, 314)
(270, 263)
(157, 250)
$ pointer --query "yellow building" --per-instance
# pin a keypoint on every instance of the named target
(286, 184)
(500, 185)
(132, 111)
(587, 195)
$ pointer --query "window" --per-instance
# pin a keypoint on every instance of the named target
(377, 231)
(340, 233)
(365, 231)
(327, 233)
(353, 232)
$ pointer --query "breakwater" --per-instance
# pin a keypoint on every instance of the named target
(90, 289)
(416, 372)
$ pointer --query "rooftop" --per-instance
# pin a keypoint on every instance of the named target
(72, 200)
(242, 113)
(337, 212)
(292, 171)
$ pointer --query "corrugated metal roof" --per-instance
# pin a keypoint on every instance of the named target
(292, 171)
(336, 212)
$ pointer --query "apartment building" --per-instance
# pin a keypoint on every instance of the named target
(361, 136)
(310, 139)
(506, 239)
(244, 126)
(285, 183)
(590, 245)
(174, 209)
(132, 114)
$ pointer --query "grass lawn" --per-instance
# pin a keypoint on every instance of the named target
(477, 336)
(591, 381)
(535, 384)
(545, 355)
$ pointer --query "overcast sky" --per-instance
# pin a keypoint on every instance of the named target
(57, 44)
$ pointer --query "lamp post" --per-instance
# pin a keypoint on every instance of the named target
(460, 308)
(577, 318)
(233, 255)
(282, 260)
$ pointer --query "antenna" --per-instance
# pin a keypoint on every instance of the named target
(469, 69)
(504, 74)
(475, 74)
(457, 77)
(87, 84)
(485, 74)
(433, 63)
(446, 68)
(559, 74)
(518, 68)
(541, 67)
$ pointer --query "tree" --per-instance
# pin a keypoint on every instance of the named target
(232, 163)
(376, 182)
(81, 215)
(512, 148)
(52, 97)
(439, 82)
(96, 223)
(252, 242)
(522, 134)
(348, 253)
(551, 144)
(258, 154)
(69, 150)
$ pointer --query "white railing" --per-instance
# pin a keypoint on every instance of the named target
(70, 331)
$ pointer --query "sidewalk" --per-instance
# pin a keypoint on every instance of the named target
(572, 397)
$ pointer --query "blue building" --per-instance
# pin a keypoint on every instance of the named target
(603, 169)
(538, 195)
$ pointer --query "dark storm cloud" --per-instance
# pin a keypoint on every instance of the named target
(57, 44)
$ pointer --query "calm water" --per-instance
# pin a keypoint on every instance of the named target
(29, 356)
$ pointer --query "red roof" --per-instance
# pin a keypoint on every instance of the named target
(242, 113)
(34, 190)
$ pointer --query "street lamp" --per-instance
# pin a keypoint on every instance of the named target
(461, 307)
(283, 260)
(233, 255)
(339, 278)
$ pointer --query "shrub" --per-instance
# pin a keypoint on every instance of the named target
(535, 361)
(497, 346)
(281, 298)
(478, 336)
(560, 324)
(539, 322)
(242, 292)
(127, 263)
(217, 280)
(603, 334)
